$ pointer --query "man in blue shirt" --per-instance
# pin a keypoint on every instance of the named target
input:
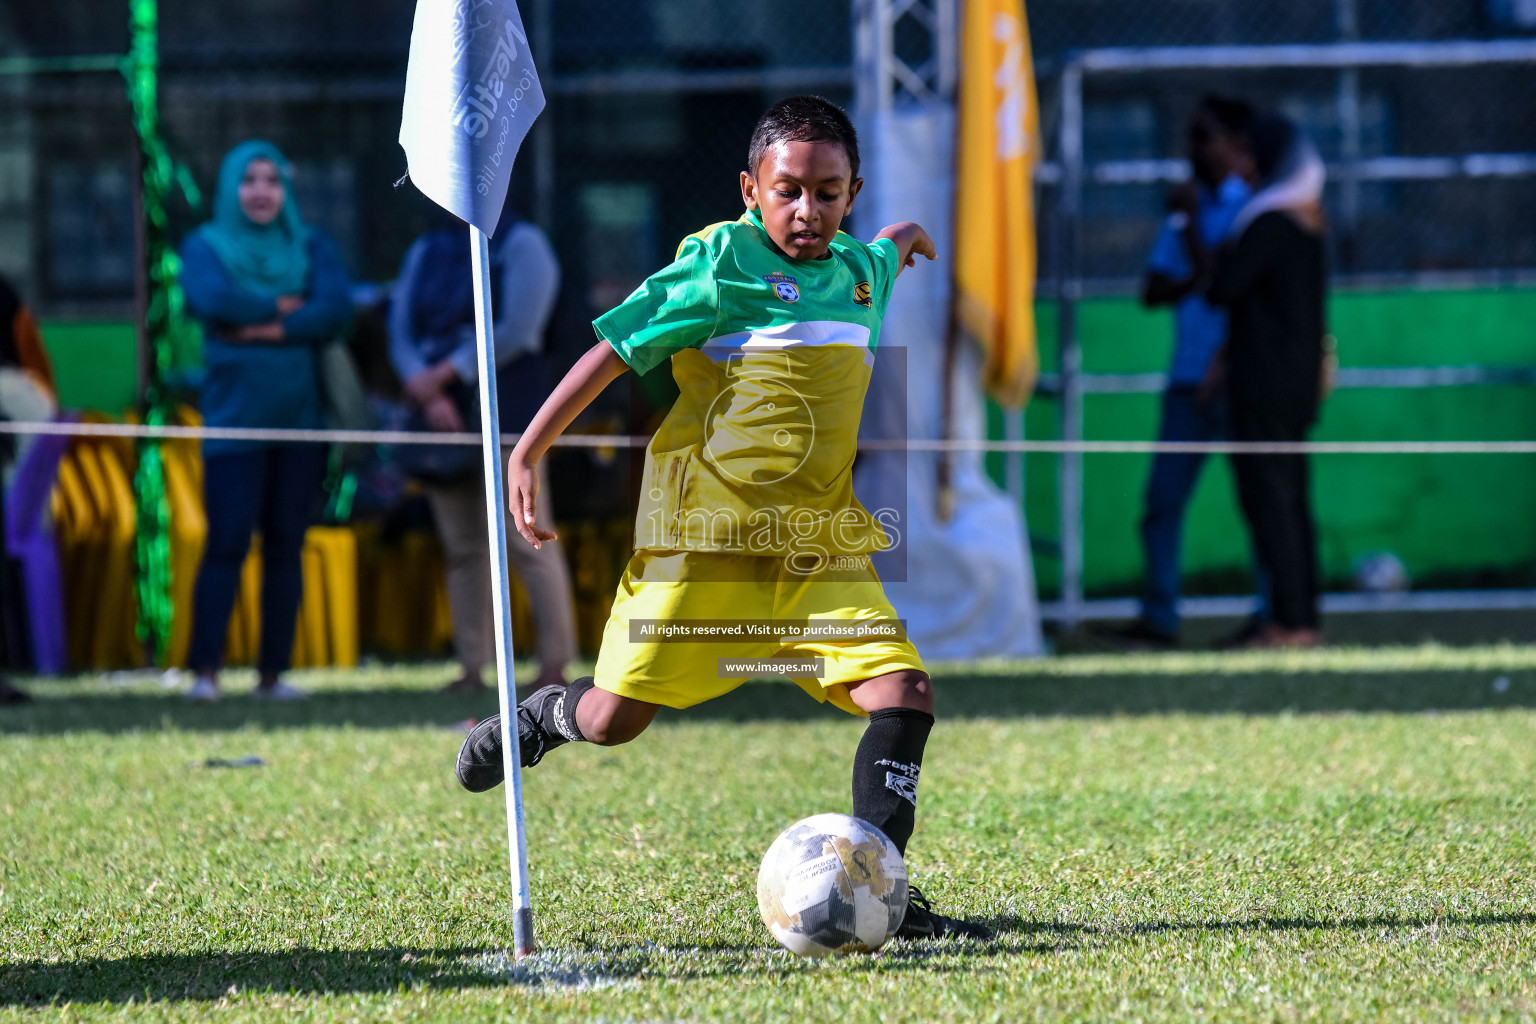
(1194, 409)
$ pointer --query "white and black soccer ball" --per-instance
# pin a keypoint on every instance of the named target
(1381, 572)
(832, 884)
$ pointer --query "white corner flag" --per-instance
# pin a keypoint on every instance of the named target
(471, 94)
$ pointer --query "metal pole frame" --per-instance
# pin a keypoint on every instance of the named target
(1070, 353)
(885, 82)
(882, 80)
(1071, 171)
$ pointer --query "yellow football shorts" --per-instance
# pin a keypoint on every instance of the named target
(691, 585)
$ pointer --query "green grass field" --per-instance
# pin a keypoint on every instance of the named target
(1339, 835)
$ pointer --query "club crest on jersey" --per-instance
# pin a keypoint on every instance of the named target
(861, 294)
(784, 286)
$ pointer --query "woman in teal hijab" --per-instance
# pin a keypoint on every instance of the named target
(268, 290)
(265, 249)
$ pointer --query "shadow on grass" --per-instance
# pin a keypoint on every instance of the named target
(212, 976)
(205, 976)
(1021, 926)
(960, 695)
(382, 708)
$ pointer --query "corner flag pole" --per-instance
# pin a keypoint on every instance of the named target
(471, 94)
(506, 688)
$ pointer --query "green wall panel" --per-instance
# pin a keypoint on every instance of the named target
(1453, 519)
(96, 362)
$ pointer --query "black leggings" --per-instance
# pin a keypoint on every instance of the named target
(1275, 493)
(272, 487)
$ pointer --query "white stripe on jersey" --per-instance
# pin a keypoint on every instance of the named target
(806, 332)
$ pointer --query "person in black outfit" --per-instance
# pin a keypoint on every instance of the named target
(21, 348)
(9, 693)
(1272, 281)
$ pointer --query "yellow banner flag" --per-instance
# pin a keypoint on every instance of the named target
(998, 145)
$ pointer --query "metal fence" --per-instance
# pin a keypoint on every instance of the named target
(651, 101)
(650, 107)
(1388, 187)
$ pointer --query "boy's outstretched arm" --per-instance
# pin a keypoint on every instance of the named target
(911, 241)
(595, 370)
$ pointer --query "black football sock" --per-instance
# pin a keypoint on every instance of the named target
(886, 770)
(558, 716)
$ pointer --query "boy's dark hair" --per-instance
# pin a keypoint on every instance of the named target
(1232, 114)
(803, 119)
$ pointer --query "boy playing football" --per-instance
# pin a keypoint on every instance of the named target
(747, 506)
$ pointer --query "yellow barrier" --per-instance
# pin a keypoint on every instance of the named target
(358, 590)
(326, 632)
(245, 620)
(407, 597)
(188, 530)
(398, 576)
(335, 598)
(74, 524)
(310, 646)
(115, 641)
(598, 552)
(95, 521)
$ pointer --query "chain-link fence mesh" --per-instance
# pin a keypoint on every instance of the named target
(651, 103)
(650, 106)
(1395, 219)
(1057, 26)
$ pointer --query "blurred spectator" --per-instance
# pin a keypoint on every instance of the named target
(21, 344)
(1200, 213)
(9, 633)
(269, 290)
(1273, 280)
(432, 345)
(9, 628)
(28, 390)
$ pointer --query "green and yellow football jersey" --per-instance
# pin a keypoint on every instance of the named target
(772, 357)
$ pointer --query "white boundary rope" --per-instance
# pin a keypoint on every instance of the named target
(1331, 604)
(130, 430)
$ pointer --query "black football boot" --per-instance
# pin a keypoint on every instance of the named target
(479, 767)
(922, 923)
